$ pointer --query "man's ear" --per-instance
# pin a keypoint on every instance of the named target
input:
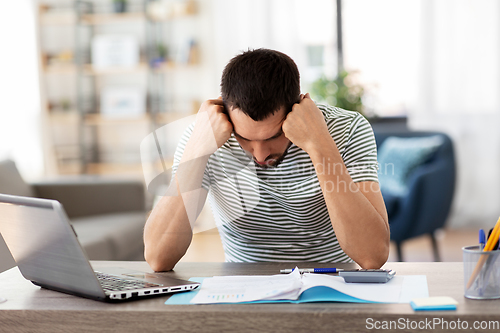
(301, 96)
(225, 106)
(228, 114)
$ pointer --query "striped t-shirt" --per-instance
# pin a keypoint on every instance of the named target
(279, 213)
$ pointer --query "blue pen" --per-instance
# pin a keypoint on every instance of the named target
(313, 270)
(490, 264)
(482, 239)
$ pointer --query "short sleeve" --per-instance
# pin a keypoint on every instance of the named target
(179, 151)
(360, 153)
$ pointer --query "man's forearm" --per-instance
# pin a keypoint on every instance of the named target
(168, 231)
(167, 234)
(362, 229)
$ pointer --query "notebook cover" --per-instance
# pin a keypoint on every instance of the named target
(315, 294)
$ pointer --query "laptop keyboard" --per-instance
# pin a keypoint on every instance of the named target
(114, 283)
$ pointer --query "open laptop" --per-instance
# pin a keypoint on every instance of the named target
(47, 252)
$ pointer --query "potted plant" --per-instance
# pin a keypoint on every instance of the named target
(342, 92)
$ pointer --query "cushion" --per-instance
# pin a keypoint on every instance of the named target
(111, 236)
(398, 157)
(11, 181)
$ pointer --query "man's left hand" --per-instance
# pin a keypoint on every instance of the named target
(305, 125)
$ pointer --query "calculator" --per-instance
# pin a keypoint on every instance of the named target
(367, 275)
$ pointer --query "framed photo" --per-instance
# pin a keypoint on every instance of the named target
(123, 101)
(110, 51)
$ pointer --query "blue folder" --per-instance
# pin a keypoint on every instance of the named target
(315, 294)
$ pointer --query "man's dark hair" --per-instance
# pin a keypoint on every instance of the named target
(260, 82)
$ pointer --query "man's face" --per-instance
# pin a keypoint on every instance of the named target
(264, 140)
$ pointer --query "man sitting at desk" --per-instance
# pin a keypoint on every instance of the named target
(288, 180)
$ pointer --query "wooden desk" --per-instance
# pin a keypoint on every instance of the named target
(32, 309)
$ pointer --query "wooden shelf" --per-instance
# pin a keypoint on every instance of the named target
(63, 115)
(172, 66)
(96, 129)
(48, 18)
(99, 119)
(68, 68)
(90, 71)
(111, 18)
(169, 117)
(117, 18)
(115, 168)
(69, 18)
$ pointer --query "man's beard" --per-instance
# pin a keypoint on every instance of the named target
(276, 159)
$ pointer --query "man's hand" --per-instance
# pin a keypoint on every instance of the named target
(168, 230)
(212, 128)
(357, 214)
(305, 125)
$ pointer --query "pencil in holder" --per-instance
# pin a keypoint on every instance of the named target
(481, 273)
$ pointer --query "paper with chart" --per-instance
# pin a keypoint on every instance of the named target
(237, 289)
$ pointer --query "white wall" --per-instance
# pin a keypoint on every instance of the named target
(20, 134)
(20, 137)
(6, 260)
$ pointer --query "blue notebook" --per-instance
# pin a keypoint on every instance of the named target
(401, 289)
(316, 294)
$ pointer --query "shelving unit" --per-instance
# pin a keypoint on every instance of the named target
(82, 137)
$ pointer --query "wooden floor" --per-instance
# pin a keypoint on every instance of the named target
(207, 247)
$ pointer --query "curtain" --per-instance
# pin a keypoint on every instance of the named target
(459, 84)
(20, 130)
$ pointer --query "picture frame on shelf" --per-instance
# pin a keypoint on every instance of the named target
(111, 51)
(123, 101)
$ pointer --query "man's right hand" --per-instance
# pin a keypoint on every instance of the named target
(168, 230)
(212, 128)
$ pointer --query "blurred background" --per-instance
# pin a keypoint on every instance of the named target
(84, 84)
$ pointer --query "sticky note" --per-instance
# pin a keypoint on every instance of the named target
(434, 303)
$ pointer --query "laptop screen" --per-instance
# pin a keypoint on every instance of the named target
(45, 246)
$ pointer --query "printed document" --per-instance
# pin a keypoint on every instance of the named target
(307, 287)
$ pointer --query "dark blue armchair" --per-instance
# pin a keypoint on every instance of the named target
(430, 188)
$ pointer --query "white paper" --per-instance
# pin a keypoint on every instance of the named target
(235, 289)
(414, 286)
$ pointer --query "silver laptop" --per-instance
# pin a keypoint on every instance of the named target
(47, 252)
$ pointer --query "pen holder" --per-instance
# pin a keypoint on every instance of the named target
(481, 273)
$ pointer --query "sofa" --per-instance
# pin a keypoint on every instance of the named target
(108, 214)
